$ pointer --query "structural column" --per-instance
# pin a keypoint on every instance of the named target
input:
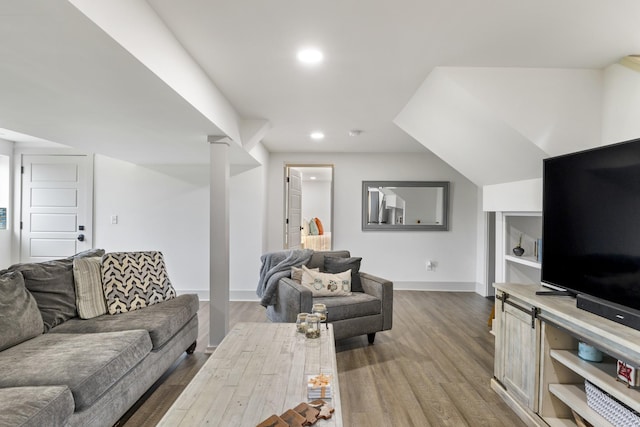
(218, 240)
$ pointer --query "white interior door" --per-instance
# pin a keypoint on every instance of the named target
(56, 217)
(294, 209)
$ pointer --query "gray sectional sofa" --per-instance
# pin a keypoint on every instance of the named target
(77, 372)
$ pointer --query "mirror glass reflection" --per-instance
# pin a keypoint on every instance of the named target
(405, 205)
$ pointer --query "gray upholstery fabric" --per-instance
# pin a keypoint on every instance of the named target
(162, 321)
(291, 300)
(51, 284)
(361, 313)
(338, 265)
(106, 411)
(317, 259)
(348, 328)
(35, 406)
(276, 265)
(347, 307)
(383, 290)
(88, 253)
(89, 364)
(20, 318)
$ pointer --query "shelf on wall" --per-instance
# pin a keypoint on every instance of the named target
(524, 260)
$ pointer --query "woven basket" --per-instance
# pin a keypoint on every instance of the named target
(609, 408)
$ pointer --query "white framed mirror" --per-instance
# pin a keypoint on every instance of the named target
(405, 205)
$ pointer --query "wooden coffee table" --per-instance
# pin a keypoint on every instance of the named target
(258, 370)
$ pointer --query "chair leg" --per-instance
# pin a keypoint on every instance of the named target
(371, 337)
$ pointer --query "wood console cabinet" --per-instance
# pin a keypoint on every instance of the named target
(537, 370)
(516, 359)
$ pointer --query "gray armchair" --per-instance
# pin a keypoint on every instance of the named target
(360, 313)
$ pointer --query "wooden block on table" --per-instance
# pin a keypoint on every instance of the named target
(325, 409)
(293, 418)
(273, 421)
(317, 402)
(307, 411)
(325, 412)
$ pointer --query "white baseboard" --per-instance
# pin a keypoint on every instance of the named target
(435, 286)
(233, 295)
(241, 295)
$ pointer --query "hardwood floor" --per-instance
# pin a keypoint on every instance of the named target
(432, 369)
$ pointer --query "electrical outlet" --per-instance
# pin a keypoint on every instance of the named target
(114, 219)
(430, 265)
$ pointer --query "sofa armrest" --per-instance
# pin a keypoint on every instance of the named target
(291, 300)
(382, 289)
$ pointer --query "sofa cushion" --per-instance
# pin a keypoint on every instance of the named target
(317, 258)
(296, 273)
(20, 318)
(326, 284)
(162, 321)
(356, 305)
(134, 280)
(87, 276)
(338, 265)
(35, 406)
(87, 363)
(51, 284)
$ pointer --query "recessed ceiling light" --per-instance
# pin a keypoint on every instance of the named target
(312, 177)
(317, 135)
(310, 56)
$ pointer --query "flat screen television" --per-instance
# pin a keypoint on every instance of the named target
(591, 229)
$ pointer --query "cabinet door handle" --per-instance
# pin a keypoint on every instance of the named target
(534, 314)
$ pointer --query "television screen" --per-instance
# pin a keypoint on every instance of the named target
(591, 223)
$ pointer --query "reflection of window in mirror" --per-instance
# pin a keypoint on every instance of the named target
(405, 205)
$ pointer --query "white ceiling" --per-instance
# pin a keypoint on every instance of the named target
(64, 79)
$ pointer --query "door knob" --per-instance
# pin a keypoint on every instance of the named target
(81, 237)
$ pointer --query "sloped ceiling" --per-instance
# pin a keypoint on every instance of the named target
(495, 125)
(107, 76)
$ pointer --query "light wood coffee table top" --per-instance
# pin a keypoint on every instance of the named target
(258, 370)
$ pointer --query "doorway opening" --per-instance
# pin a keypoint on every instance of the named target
(308, 207)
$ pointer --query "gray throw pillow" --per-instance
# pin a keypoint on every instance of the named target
(87, 254)
(20, 319)
(51, 284)
(338, 265)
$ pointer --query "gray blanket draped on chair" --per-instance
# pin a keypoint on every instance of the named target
(276, 265)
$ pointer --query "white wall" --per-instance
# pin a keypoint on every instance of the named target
(6, 186)
(247, 213)
(518, 196)
(316, 202)
(167, 209)
(156, 211)
(398, 256)
(621, 104)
